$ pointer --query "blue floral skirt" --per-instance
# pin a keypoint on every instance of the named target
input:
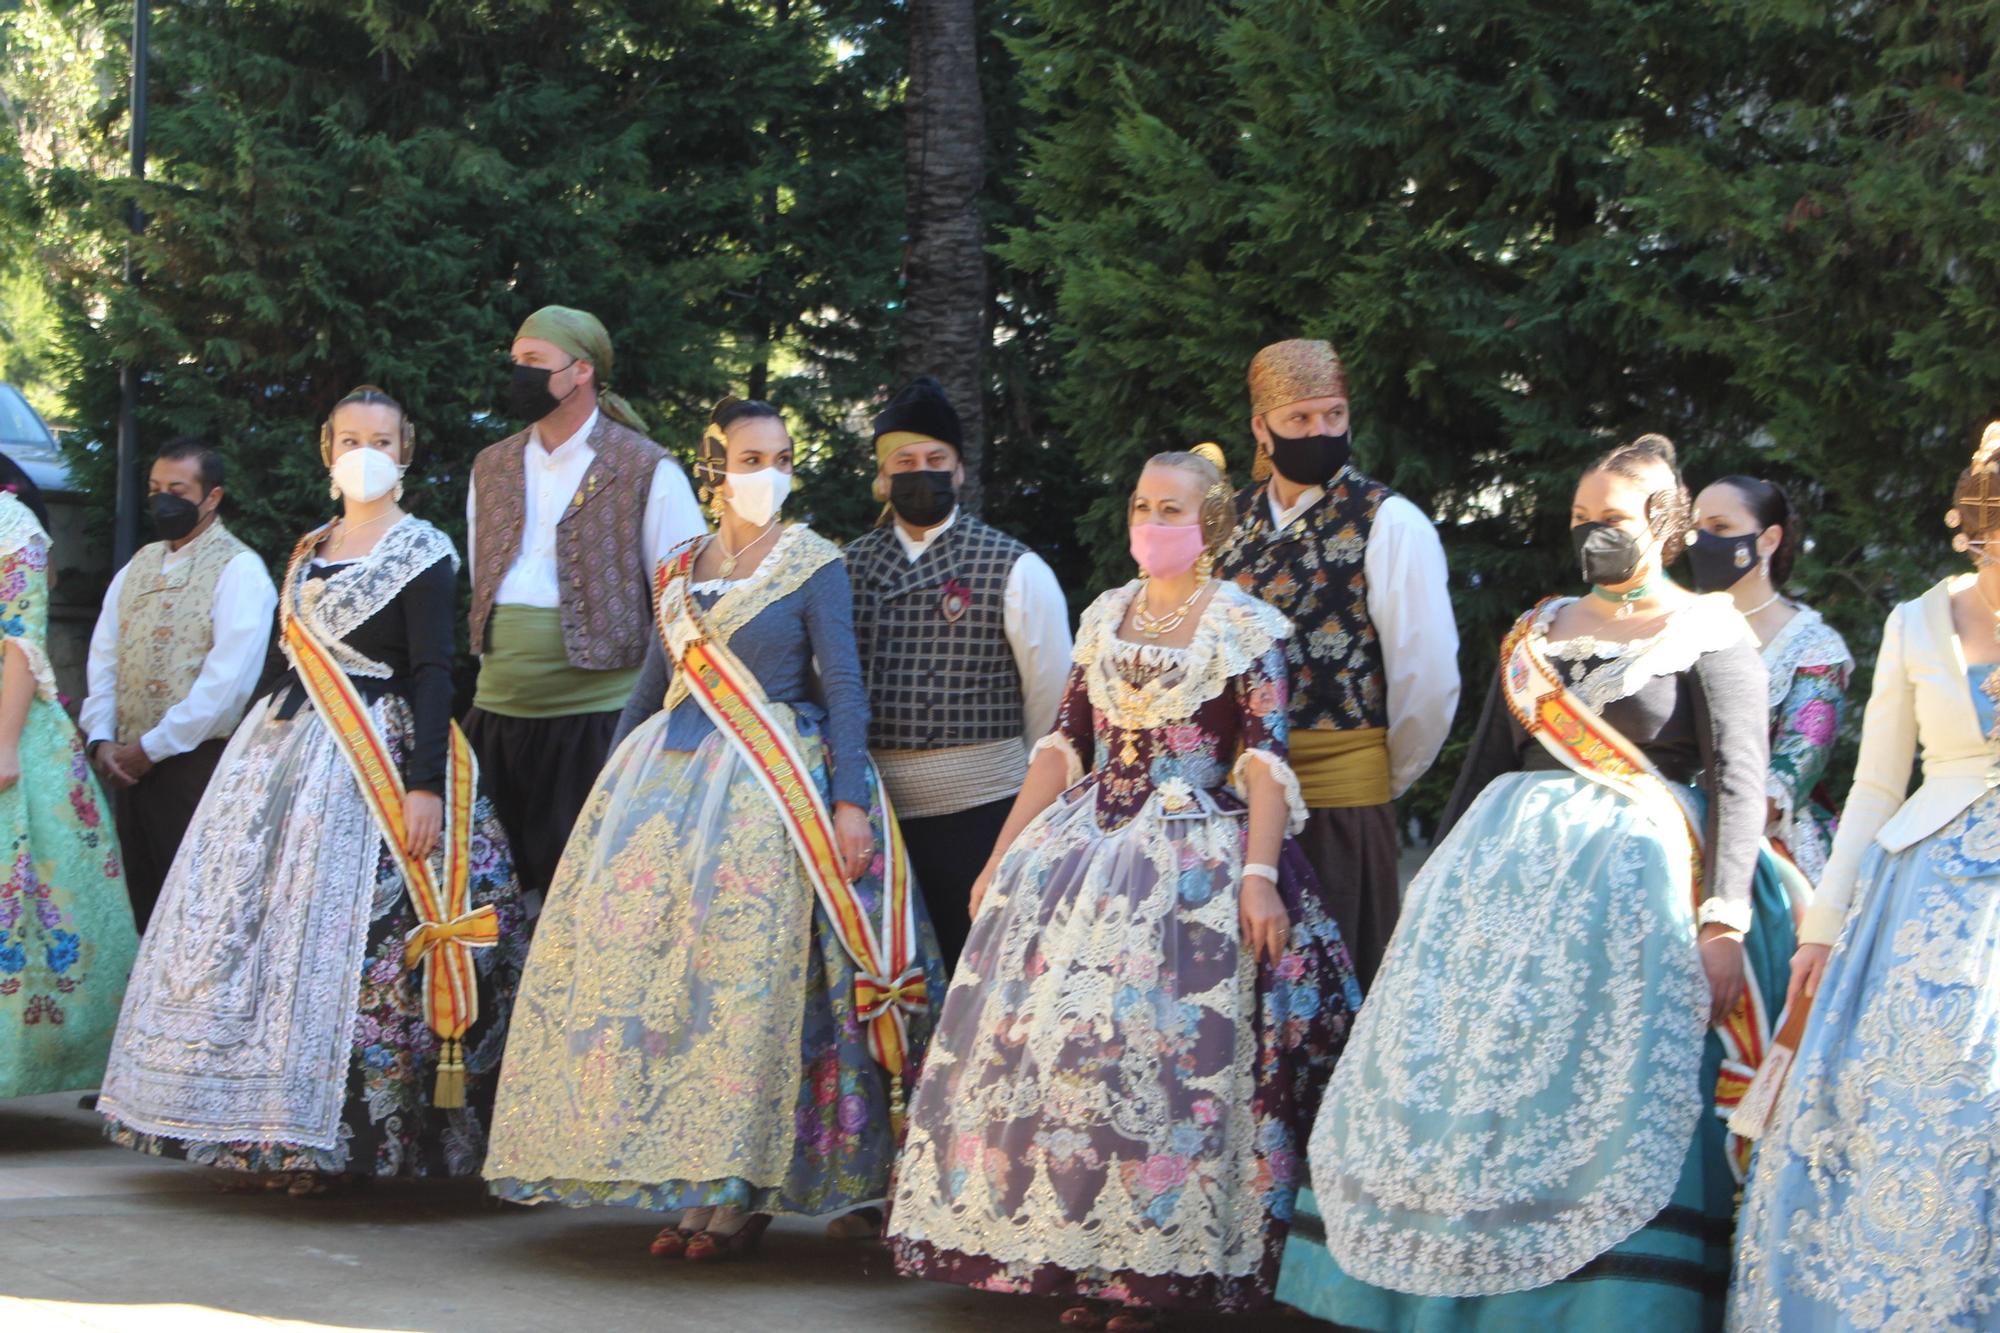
(1875, 1196)
(687, 1035)
(1539, 926)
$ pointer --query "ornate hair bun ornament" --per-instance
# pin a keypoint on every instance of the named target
(1975, 504)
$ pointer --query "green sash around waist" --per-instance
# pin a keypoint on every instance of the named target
(526, 673)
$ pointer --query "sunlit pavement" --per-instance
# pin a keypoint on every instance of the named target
(99, 1238)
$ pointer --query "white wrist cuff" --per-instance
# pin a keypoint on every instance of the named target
(1268, 872)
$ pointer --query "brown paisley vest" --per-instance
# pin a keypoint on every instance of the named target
(604, 572)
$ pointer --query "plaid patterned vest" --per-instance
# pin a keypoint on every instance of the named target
(603, 570)
(933, 682)
(166, 627)
(1313, 572)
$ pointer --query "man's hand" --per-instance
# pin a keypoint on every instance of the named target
(128, 762)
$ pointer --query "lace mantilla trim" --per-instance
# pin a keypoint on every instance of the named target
(18, 526)
(1707, 624)
(1805, 641)
(798, 554)
(1072, 764)
(1235, 630)
(1295, 801)
(340, 603)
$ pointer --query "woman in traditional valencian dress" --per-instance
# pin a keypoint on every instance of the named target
(1154, 991)
(730, 980)
(322, 994)
(1875, 1202)
(1745, 539)
(1524, 1132)
(66, 936)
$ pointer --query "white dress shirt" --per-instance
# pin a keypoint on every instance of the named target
(241, 615)
(1409, 603)
(552, 476)
(1036, 618)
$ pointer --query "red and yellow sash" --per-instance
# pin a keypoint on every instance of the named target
(1592, 748)
(447, 931)
(889, 984)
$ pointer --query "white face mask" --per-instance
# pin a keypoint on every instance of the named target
(366, 474)
(757, 496)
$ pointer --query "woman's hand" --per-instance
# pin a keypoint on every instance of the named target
(1265, 925)
(980, 885)
(10, 766)
(1808, 970)
(1722, 959)
(423, 821)
(856, 838)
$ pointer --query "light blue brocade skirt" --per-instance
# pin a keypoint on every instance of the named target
(1522, 1132)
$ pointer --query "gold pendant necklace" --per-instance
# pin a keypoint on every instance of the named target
(727, 568)
(1153, 626)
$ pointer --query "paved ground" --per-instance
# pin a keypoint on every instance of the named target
(93, 1237)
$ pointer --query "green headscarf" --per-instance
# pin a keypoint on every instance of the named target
(579, 333)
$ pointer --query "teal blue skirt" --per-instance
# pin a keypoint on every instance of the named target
(1672, 1273)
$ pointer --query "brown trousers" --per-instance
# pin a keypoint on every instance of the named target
(153, 816)
(1354, 850)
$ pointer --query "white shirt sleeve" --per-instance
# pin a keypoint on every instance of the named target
(245, 603)
(1410, 604)
(1036, 618)
(672, 516)
(99, 715)
(471, 523)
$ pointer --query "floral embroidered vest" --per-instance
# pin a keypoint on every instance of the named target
(1313, 572)
(933, 681)
(166, 629)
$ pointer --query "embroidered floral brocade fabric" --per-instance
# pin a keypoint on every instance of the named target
(66, 937)
(1876, 1201)
(1114, 1102)
(1809, 667)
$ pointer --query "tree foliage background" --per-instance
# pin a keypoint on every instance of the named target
(1765, 227)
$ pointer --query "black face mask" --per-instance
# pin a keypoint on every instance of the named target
(922, 499)
(1608, 556)
(528, 395)
(1310, 460)
(1717, 563)
(173, 517)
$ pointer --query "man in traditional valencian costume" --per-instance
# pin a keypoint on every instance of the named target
(565, 522)
(965, 644)
(1361, 573)
(174, 661)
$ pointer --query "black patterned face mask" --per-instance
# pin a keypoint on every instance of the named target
(1607, 556)
(1716, 563)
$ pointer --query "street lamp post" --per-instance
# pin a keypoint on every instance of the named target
(125, 535)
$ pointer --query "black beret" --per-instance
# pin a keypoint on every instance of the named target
(921, 408)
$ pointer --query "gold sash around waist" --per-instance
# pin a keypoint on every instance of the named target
(1338, 769)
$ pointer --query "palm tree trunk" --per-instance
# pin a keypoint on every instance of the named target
(943, 329)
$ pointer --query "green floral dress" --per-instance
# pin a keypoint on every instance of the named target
(66, 935)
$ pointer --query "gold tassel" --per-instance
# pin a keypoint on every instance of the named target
(896, 1116)
(450, 1092)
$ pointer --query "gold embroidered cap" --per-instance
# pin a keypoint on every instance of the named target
(1975, 501)
(1296, 368)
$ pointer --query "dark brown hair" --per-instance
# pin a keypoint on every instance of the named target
(1669, 508)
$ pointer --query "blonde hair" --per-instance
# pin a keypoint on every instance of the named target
(1218, 503)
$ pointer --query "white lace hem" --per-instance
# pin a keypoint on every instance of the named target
(1295, 801)
(1072, 765)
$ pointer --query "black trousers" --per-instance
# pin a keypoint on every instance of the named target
(947, 853)
(538, 772)
(153, 816)
(1354, 850)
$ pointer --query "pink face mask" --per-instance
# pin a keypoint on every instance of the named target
(1163, 552)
